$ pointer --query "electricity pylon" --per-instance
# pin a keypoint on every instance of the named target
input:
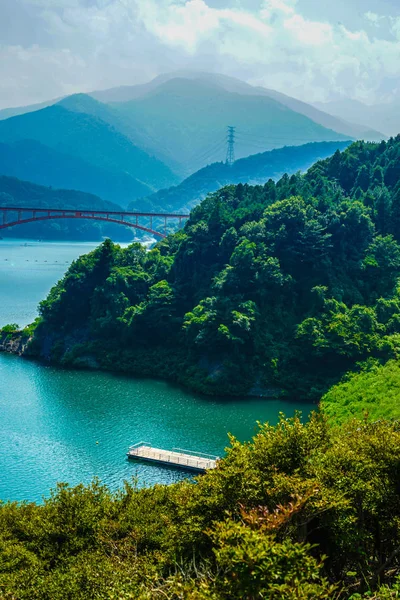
(230, 152)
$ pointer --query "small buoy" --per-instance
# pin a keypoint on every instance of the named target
(97, 442)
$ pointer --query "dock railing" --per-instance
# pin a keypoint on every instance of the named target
(192, 453)
(139, 445)
(177, 456)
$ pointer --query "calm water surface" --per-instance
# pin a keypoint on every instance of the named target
(71, 426)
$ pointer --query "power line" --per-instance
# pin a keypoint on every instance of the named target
(210, 154)
(230, 151)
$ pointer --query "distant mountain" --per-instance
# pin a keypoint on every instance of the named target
(88, 137)
(32, 161)
(14, 192)
(187, 119)
(340, 125)
(181, 119)
(255, 169)
(6, 113)
(231, 84)
(384, 117)
(108, 113)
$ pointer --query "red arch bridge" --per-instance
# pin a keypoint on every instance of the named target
(154, 223)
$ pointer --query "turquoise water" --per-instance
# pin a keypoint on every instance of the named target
(58, 425)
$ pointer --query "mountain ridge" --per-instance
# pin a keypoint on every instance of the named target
(254, 169)
(30, 160)
(89, 138)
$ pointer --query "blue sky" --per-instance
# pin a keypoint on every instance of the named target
(315, 50)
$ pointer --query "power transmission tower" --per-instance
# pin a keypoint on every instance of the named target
(230, 152)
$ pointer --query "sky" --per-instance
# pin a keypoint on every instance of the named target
(315, 50)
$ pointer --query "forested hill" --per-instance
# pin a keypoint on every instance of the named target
(30, 160)
(14, 192)
(275, 288)
(90, 138)
(254, 169)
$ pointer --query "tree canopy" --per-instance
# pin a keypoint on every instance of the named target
(281, 288)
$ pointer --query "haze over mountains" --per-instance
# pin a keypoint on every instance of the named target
(236, 86)
(383, 116)
(33, 161)
(127, 143)
(181, 118)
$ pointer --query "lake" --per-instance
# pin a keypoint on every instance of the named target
(72, 426)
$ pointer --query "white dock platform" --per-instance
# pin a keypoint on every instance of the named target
(184, 459)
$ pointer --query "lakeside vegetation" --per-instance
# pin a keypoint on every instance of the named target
(274, 289)
(302, 512)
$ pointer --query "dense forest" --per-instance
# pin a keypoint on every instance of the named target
(269, 290)
(302, 512)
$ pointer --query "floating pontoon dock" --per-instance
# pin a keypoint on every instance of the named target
(184, 459)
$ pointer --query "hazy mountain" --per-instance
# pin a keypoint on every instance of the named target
(83, 103)
(253, 169)
(384, 117)
(181, 118)
(187, 120)
(17, 193)
(6, 113)
(231, 84)
(339, 124)
(32, 161)
(90, 138)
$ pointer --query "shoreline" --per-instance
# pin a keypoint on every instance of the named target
(15, 343)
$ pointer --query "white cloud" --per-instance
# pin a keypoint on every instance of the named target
(101, 43)
(373, 17)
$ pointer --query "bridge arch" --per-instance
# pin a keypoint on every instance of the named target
(31, 215)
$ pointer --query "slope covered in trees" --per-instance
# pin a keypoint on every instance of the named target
(254, 169)
(30, 160)
(187, 119)
(302, 512)
(17, 193)
(271, 289)
(88, 137)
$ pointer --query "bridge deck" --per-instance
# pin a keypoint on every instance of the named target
(184, 459)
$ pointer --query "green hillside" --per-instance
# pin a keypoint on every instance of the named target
(14, 192)
(254, 169)
(187, 120)
(32, 161)
(91, 139)
(374, 394)
(274, 289)
(234, 85)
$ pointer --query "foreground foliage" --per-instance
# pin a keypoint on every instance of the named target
(301, 512)
(281, 288)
